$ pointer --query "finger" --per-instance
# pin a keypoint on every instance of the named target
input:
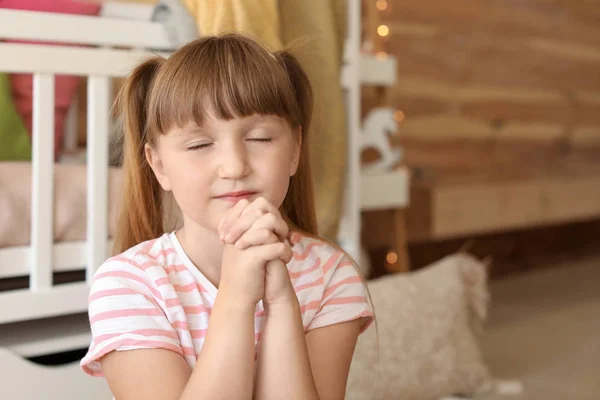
(241, 225)
(256, 238)
(273, 251)
(275, 224)
(263, 204)
(288, 254)
(232, 215)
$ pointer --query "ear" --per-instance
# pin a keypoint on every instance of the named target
(297, 151)
(155, 162)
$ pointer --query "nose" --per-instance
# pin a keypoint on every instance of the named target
(233, 161)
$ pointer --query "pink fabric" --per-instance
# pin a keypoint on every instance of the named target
(65, 86)
(70, 202)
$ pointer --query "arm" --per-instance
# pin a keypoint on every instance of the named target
(224, 369)
(283, 369)
(311, 366)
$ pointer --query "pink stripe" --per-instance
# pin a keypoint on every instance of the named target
(148, 264)
(199, 309)
(198, 333)
(112, 292)
(93, 356)
(331, 262)
(316, 282)
(132, 312)
(295, 275)
(172, 302)
(332, 288)
(163, 253)
(307, 251)
(141, 332)
(345, 300)
(190, 287)
(180, 325)
(313, 305)
(146, 249)
(174, 268)
(130, 276)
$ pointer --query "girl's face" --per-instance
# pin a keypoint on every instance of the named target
(211, 167)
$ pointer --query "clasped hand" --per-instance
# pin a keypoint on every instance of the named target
(256, 253)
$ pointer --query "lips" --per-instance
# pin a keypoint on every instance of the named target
(236, 195)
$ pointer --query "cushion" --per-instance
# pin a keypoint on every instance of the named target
(428, 322)
(13, 134)
(65, 86)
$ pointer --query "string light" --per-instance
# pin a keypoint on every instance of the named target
(399, 116)
(381, 5)
(383, 30)
(391, 257)
(382, 55)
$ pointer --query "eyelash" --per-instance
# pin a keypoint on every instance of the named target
(204, 145)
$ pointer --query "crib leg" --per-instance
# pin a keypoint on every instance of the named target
(400, 243)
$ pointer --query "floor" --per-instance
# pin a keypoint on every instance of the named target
(544, 331)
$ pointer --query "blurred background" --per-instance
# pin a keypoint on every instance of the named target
(485, 264)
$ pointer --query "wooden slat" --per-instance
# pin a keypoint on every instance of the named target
(26, 58)
(127, 10)
(43, 182)
(21, 305)
(99, 96)
(91, 30)
(66, 256)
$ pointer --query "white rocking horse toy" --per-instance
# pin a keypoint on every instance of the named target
(377, 126)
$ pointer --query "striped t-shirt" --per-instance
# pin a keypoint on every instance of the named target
(152, 296)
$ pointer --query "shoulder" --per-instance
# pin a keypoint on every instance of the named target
(310, 253)
(138, 267)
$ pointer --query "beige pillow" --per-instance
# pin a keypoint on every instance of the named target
(428, 322)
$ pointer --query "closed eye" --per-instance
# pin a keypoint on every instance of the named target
(263, 140)
(199, 146)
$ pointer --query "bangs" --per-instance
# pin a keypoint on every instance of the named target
(228, 76)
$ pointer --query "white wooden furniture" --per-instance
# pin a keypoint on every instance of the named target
(45, 318)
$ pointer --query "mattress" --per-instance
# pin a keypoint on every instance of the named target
(70, 202)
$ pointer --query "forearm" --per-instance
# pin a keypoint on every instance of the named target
(283, 369)
(225, 368)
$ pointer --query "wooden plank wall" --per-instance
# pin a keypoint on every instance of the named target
(496, 70)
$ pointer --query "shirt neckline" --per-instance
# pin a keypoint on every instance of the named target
(210, 288)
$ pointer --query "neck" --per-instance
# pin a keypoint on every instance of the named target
(204, 249)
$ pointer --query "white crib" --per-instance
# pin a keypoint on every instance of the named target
(45, 318)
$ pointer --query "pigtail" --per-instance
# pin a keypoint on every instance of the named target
(141, 215)
(299, 206)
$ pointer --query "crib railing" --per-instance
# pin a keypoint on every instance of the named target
(99, 63)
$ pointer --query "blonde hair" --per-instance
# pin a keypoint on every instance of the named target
(232, 76)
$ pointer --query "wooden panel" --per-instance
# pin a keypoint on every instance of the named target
(488, 70)
(53, 27)
(563, 19)
(27, 58)
(484, 207)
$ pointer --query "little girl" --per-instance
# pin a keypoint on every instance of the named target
(244, 301)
